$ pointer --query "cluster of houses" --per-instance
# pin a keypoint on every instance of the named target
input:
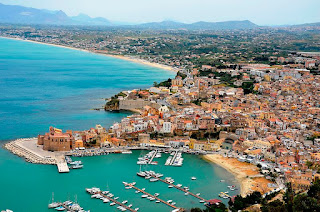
(279, 122)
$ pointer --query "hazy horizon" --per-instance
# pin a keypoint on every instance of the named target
(272, 12)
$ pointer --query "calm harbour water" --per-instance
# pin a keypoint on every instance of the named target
(42, 85)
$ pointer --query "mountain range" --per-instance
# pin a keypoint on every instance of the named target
(200, 25)
(15, 14)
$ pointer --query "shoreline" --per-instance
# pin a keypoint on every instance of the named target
(122, 57)
(246, 174)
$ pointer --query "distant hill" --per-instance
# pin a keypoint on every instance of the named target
(307, 25)
(27, 15)
(200, 25)
(87, 20)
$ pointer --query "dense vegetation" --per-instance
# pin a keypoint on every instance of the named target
(303, 202)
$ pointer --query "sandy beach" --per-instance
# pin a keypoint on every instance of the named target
(122, 57)
(247, 174)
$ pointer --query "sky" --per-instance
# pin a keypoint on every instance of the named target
(261, 12)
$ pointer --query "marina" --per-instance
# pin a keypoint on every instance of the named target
(148, 158)
(175, 159)
(106, 195)
(170, 182)
(168, 203)
(67, 205)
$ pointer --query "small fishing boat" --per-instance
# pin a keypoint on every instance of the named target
(193, 178)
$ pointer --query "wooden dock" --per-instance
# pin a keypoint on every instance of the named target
(154, 154)
(157, 198)
(173, 158)
(179, 188)
(117, 202)
(67, 208)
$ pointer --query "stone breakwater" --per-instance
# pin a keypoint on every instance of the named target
(30, 156)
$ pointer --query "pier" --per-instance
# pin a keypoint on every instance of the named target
(152, 157)
(115, 201)
(157, 198)
(118, 203)
(173, 158)
(179, 188)
(63, 167)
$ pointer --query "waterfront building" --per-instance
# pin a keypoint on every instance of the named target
(56, 140)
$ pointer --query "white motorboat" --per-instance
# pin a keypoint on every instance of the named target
(105, 200)
(54, 205)
(193, 178)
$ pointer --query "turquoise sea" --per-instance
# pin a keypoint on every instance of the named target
(43, 85)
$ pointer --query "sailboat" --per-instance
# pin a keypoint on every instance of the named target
(53, 204)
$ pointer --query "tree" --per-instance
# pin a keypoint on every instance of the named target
(274, 206)
(314, 190)
(309, 164)
(304, 203)
(195, 210)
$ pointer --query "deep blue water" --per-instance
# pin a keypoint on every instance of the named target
(42, 85)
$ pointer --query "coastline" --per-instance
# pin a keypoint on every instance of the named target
(122, 57)
(247, 174)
